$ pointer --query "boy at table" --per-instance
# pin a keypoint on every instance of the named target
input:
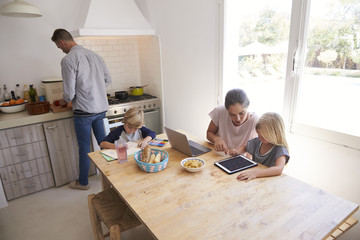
(132, 130)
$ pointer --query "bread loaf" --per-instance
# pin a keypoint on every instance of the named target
(152, 158)
(157, 158)
(146, 154)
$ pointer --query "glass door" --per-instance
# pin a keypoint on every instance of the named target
(256, 35)
(299, 58)
(327, 72)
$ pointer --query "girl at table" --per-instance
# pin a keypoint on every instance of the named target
(132, 130)
(232, 125)
(270, 148)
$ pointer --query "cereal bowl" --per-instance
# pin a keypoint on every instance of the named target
(193, 164)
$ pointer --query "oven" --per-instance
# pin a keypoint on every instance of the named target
(149, 104)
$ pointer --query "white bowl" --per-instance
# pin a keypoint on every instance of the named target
(13, 108)
(189, 169)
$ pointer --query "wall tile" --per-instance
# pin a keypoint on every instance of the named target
(132, 61)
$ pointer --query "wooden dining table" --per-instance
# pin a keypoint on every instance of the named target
(211, 204)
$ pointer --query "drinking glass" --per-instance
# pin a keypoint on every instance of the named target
(120, 146)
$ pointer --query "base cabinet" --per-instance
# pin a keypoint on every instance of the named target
(63, 151)
(38, 156)
(24, 161)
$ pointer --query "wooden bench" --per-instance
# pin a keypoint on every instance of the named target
(349, 223)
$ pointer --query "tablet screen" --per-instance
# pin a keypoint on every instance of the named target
(235, 164)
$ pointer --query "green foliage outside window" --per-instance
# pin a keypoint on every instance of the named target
(333, 41)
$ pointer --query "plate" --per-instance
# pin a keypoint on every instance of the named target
(13, 108)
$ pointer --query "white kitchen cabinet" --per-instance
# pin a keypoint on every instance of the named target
(63, 150)
(24, 161)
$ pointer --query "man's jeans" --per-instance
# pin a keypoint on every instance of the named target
(83, 127)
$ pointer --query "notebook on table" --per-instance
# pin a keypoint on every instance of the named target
(180, 142)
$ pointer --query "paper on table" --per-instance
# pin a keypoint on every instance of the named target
(132, 149)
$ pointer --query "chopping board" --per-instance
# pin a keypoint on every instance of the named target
(57, 109)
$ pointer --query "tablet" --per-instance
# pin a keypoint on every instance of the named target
(235, 164)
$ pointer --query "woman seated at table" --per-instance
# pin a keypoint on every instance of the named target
(132, 130)
(232, 126)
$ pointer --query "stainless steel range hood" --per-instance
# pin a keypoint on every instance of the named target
(111, 18)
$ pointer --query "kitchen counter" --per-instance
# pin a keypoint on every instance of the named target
(11, 120)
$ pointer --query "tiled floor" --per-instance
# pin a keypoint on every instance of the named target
(56, 214)
(62, 213)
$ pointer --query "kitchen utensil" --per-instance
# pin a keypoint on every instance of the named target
(137, 90)
(121, 95)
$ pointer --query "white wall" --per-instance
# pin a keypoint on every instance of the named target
(27, 53)
(188, 32)
(29, 56)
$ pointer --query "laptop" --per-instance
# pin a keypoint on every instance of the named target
(180, 142)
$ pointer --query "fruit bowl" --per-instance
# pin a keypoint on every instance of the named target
(12, 108)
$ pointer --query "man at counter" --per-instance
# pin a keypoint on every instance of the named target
(85, 78)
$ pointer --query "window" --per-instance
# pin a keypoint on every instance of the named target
(300, 59)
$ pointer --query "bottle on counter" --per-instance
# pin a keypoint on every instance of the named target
(1, 95)
(7, 96)
(32, 94)
(26, 93)
(13, 97)
(18, 92)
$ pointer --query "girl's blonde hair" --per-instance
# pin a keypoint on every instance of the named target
(271, 126)
(134, 117)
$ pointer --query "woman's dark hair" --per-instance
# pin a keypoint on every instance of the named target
(236, 96)
(61, 34)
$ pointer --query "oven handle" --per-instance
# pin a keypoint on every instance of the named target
(120, 118)
(151, 111)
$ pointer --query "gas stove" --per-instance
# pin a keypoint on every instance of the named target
(113, 100)
(118, 108)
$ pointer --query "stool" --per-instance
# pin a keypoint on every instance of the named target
(109, 208)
